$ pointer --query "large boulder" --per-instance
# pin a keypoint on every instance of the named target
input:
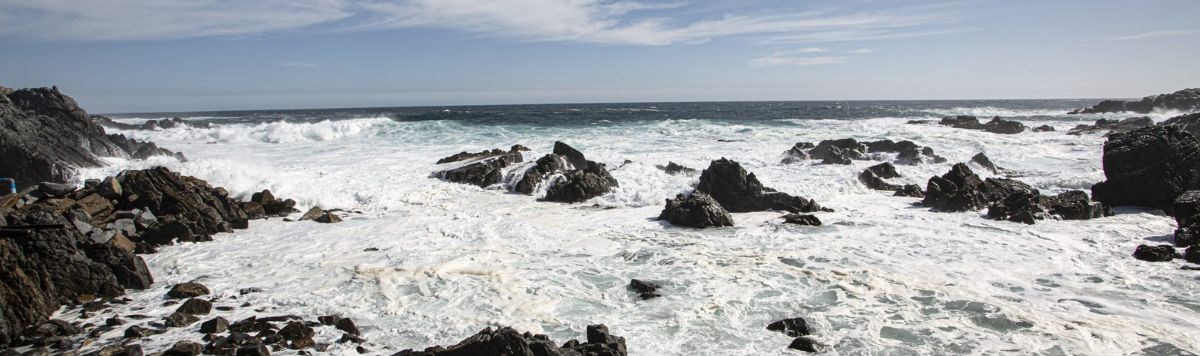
(960, 189)
(45, 136)
(697, 210)
(509, 342)
(172, 196)
(739, 191)
(590, 181)
(1186, 100)
(873, 177)
(1149, 167)
(1030, 206)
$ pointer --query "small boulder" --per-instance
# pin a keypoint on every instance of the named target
(673, 168)
(791, 327)
(697, 210)
(187, 290)
(177, 320)
(802, 219)
(347, 325)
(910, 190)
(644, 289)
(214, 326)
(1160, 253)
(195, 306)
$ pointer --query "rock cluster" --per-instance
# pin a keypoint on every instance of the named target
(726, 187)
(70, 243)
(996, 125)
(149, 124)
(570, 176)
(509, 342)
(798, 329)
(874, 177)
(1109, 127)
(1006, 199)
(844, 151)
(46, 136)
(1187, 100)
(481, 168)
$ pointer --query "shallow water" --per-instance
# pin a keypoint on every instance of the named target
(882, 276)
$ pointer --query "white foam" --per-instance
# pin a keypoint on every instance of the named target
(454, 258)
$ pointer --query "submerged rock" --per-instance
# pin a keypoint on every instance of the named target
(187, 290)
(1149, 167)
(480, 171)
(983, 161)
(738, 191)
(673, 168)
(698, 210)
(910, 190)
(590, 181)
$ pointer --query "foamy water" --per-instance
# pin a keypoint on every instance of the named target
(882, 276)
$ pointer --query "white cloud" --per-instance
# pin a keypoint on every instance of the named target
(159, 19)
(627, 22)
(1155, 34)
(777, 61)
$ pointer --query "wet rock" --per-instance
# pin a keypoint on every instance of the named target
(738, 191)
(697, 210)
(590, 181)
(168, 233)
(178, 320)
(204, 209)
(960, 189)
(120, 350)
(184, 348)
(214, 326)
(253, 350)
(55, 190)
(187, 290)
(983, 161)
(873, 177)
(480, 169)
(248, 325)
(195, 306)
(1149, 167)
(910, 190)
(806, 344)
(496, 152)
(295, 330)
(802, 219)
(506, 341)
(791, 327)
(907, 152)
(1160, 253)
(1109, 127)
(673, 168)
(542, 168)
(347, 325)
(110, 188)
(320, 215)
(1189, 123)
(272, 206)
(1044, 128)
(138, 331)
(1186, 100)
(996, 125)
(1192, 254)
(1186, 211)
(644, 289)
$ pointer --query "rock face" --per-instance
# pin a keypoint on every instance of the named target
(963, 190)
(173, 197)
(46, 135)
(738, 191)
(1189, 123)
(996, 125)
(1149, 167)
(983, 161)
(509, 342)
(844, 151)
(697, 210)
(1186, 100)
(1030, 206)
(1186, 210)
(1109, 127)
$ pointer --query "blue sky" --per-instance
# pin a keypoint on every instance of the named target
(180, 55)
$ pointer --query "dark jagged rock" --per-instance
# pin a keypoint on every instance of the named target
(840, 151)
(910, 190)
(187, 290)
(1192, 254)
(963, 190)
(697, 210)
(495, 152)
(482, 172)
(1109, 127)
(844, 151)
(320, 215)
(873, 177)
(509, 342)
(1044, 128)
(996, 125)
(1186, 210)
(191, 201)
(1186, 100)
(1149, 167)
(644, 289)
(184, 348)
(983, 161)
(1189, 123)
(738, 191)
(1160, 253)
(195, 306)
(673, 168)
(791, 327)
(1074, 205)
(589, 181)
(178, 320)
(802, 219)
(270, 205)
(542, 168)
(46, 135)
(347, 325)
(806, 344)
(214, 326)
(907, 152)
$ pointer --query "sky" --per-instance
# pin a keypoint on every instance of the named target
(194, 55)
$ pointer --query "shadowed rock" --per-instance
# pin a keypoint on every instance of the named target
(698, 210)
(996, 125)
(960, 189)
(738, 191)
(1149, 167)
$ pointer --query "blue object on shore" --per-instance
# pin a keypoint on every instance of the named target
(12, 184)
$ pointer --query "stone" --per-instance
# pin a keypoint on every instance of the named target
(1160, 253)
(983, 161)
(673, 168)
(645, 290)
(806, 344)
(802, 219)
(184, 348)
(910, 190)
(791, 327)
(960, 189)
(295, 330)
(137, 331)
(328, 218)
(215, 325)
(1149, 167)
(195, 306)
(1109, 127)
(589, 181)
(110, 188)
(738, 191)
(697, 210)
(1044, 128)
(996, 125)
(187, 290)
(1192, 254)
(178, 320)
(94, 205)
(347, 325)
(56, 190)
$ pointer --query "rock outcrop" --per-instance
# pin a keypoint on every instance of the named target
(739, 191)
(961, 189)
(1186, 100)
(844, 151)
(1186, 210)
(697, 210)
(1109, 127)
(673, 168)
(1149, 167)
(1030, 206)
(481, 169)
(149, 124)
(45, 136)
(509, 342)
(874, 177)
(571, 177)
(996, 125)
(1189, 123)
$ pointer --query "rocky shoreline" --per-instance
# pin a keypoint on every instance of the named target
(64, 245)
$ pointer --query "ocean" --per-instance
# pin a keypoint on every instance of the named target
(881, 276)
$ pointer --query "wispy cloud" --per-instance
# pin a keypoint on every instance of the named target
(624, 22)
(778, 61)
(1155, 34)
